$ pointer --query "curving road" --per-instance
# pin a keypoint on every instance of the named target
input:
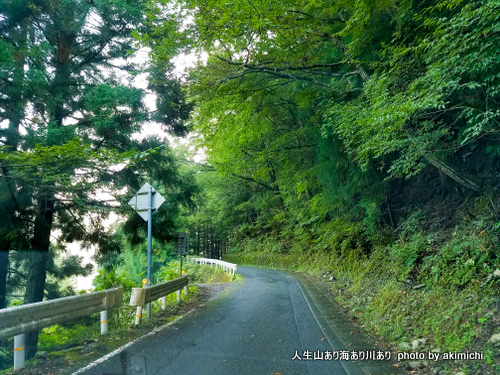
(254, 328)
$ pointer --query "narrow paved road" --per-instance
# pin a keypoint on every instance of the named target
(254, 328)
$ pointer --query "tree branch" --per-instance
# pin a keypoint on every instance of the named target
(450, 172)
(254, 181)
(12, 270)
(329, 20)
(252, 66)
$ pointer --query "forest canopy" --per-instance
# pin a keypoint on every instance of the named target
(360, 135)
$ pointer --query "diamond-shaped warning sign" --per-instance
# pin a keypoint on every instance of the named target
(139, 201)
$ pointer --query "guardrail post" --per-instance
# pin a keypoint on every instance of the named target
(185, 290)
(141, 296)
(163, 303)
(19, 353)
(15, 321)
(104, 322)
(138, 315)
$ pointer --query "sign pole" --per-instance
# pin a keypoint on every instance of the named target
(144, 203)
(150, 226)
(180, 271)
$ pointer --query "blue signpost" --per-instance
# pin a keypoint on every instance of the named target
(144, 202)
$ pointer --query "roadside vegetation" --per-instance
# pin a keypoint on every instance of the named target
(65, 348)
(451, 304)
(360, 140)
(355, 140)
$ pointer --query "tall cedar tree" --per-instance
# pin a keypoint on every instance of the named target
(63, 84)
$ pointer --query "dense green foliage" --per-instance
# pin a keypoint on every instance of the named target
(359, 137)
(71, 122)
(71, 149)
(350, 117)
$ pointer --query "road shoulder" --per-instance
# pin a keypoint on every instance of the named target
(340, 324)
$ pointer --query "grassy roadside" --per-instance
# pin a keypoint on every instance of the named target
(411, 315)
(64, 349)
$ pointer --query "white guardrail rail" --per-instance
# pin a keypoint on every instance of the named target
(18, 320)
(225, 266)
(142, 296)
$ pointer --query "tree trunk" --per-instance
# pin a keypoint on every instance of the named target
(39, 255)
(60, 91)
(211, 242)
(15, 114)
(205, 242)
(192, 238)
(4, 266)
(217, 255)
(198, 240)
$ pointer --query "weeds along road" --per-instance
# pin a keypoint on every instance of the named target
(256, 327)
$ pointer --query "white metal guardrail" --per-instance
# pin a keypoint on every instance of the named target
(18, 320)
(225, 266)
(142, 296)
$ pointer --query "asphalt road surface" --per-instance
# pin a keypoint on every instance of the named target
(256, 327)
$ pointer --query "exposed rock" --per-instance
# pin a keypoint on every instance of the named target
(414, 364)
(416, 343)
(419, 286)
(495, 338)
(459, 373)
(332, 278)
(494, 275)
(327, 273)
(418, 364)
(405, 345)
